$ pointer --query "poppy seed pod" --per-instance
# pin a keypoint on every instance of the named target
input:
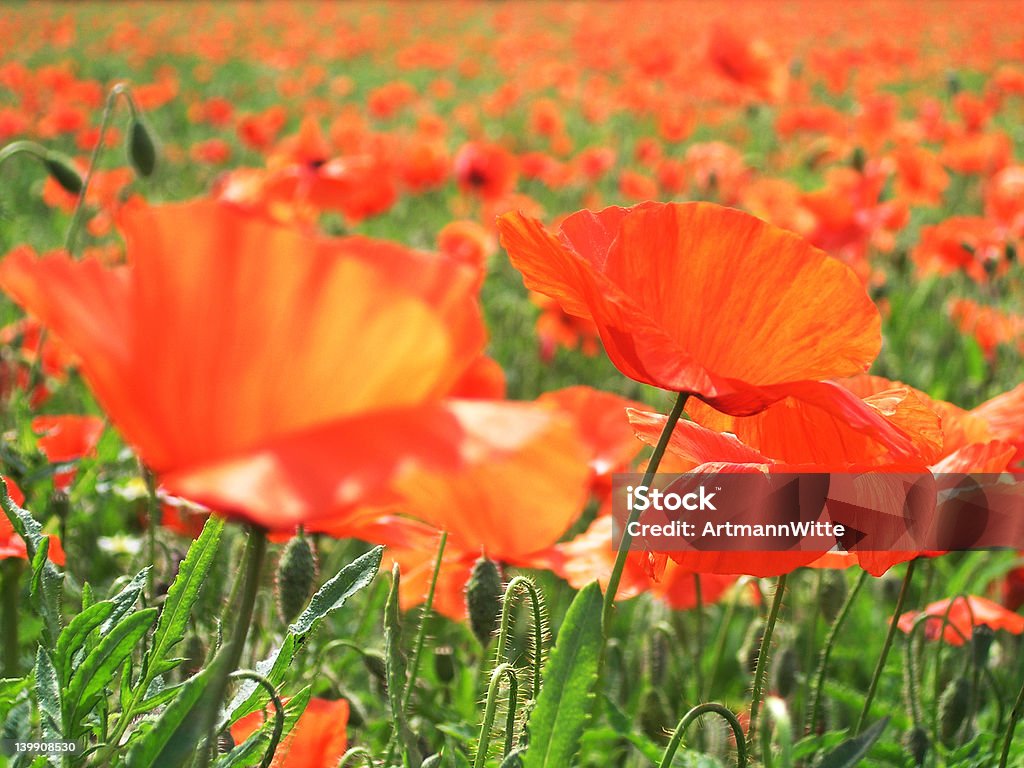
(483, 599)
(296, 574)
(63, 172)
(141, 148)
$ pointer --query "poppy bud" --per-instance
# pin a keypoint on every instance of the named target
(296, 573)
(141, 148)
(432, 761)
(514, 759)
(654, 714)
(917, 743)
(981, 643)
(1011, 253)
(832, 595)
(60, 505)
(63, 172)
(785, 671)
(657, 656)
(483, 599)
(444, 664)
(953, 710)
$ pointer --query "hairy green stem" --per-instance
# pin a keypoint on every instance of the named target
(693, 714)
(889, 637)
(826, 652)
(762, 658)
(421, 635)
(627, 539)
(518, 586)
(502, 670)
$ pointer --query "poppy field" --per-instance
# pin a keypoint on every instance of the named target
(333, 337)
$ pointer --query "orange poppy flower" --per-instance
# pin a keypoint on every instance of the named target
(965, 613)
(483, 169)
(651, 278)
(318, 740)
(225, 352)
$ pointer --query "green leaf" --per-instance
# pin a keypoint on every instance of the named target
(563, 706)
(251, 696)
(852, 751)
(48, 696)
(452, 756)
(74, 634)
(124, 601)
(333, 595)
(182, 596)
(178, 731)
(102, 662)
(623, 727)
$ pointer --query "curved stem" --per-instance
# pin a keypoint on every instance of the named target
(762, 658)
(518, 586)
(627, 539)
(826, 652)
(421, 635)
(890, 635)
(275, 737)
(37, 151)
(502, 670)
(693, 714)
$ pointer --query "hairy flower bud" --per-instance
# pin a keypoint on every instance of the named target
(953, 710)
(483, 599)
(296, 574)
(832, 594)
(785, 671)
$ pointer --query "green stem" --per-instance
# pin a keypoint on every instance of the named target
(153, 521)
(762, 658)
(627, 539)
(421, 635)
(502, 670)
(826, 652)
(518, 586)
(10, 573)
(362, 752)
(1015, 715)
(890, 635)
(37, 151)
(279, 716)
(693, 714)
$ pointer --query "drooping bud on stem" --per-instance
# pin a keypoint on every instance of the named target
(141, 148)
(63, 172)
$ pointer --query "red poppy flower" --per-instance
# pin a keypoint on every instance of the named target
(262, 371)
(670, 315)
(318, 740)
(965, 613)
(485, 169)
(749, 63)
(66, 438)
